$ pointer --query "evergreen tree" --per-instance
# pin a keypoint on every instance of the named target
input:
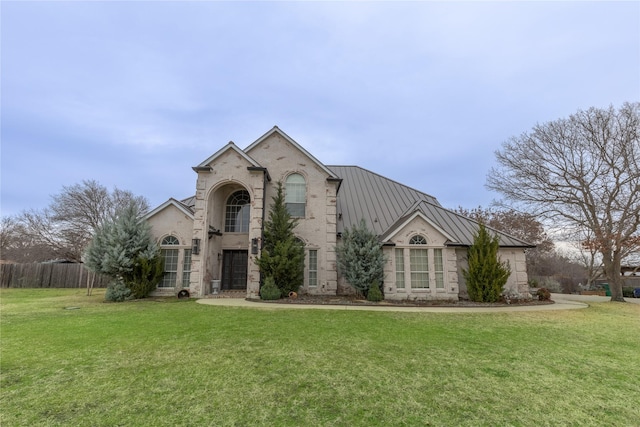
(360, 257)
(124, 249)
(486, 275)
(282, 255)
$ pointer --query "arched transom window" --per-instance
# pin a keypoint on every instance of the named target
(418, 240)
(237, 212)
(170, 240)
(295, 195)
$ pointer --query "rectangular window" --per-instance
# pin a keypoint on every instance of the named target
(313, 268)
(186, 268)
(438, 268)
(419, 264)
(399, 268)
(170, 268)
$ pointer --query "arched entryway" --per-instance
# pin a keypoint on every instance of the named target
(228, 220)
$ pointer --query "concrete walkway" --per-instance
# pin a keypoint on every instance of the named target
(562, 302)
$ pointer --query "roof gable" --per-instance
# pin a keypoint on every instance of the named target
(277, 130)
(459, 229)
(171, 202)
(230, 146)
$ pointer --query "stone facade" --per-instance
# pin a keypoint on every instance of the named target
(222, 239)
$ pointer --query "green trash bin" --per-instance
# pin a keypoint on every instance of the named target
(607, 290)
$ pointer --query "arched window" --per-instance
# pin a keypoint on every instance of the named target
(419, 263)
(295, 195)
(418, 240)
(170, 240)
(170, 262)
(237, 212)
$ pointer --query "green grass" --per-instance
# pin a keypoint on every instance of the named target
(178, 363)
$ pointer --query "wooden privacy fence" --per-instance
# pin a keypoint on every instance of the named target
(49, 275)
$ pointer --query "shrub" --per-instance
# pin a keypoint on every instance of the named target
(543, 294)
(360, 257)
(374, 293)
(117, 291)
(269, 290)
(486, 275)
(145, 276)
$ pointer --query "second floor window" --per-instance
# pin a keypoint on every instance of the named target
(237, 213)
(296, 195)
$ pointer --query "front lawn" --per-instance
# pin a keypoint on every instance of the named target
(72, 360)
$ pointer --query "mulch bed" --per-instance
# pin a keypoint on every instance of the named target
(354, 300)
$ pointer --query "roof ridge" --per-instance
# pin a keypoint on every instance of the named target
(478, 222)
(384, 177)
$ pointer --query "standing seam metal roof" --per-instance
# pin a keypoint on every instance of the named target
(386, 204)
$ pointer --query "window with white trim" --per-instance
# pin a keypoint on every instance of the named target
(313, 268)
(399, 255)
(419, 263)
(186, 268)
(295, 197)
(237, 212)
(170, 257)
(438, 269)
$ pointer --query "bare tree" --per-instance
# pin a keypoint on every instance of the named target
(68, 224)
(581, 172)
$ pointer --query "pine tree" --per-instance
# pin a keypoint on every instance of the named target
(124, 250)
(282, 255)
(486, 275)
(360, 257)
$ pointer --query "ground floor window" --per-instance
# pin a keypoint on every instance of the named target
(170, 268)
(419, 268)
(186, 268)
(399, 256)
(419, 264)
(313, 268)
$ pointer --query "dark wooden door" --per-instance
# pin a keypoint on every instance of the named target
(234, 270)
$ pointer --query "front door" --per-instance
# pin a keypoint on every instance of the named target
(234, 270)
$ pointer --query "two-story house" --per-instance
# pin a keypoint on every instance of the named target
(210, 241)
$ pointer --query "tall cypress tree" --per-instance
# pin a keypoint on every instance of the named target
(486, 275)
(282, 256)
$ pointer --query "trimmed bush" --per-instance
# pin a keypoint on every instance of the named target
(543, 294)
(117, 291)
(374, 293)
(269, 290)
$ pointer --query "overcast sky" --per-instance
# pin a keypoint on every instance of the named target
(133, 94)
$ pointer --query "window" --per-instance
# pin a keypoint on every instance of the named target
(295, 195)
(399, 268)
(170, 268)
(419, 264)
(418, 240)
(237, 213)
(438, 268)
(186, 268)
(313, 268)
(170, 240)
